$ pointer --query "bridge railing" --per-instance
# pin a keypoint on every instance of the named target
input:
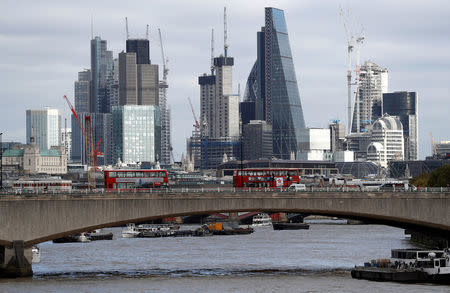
(221, 189)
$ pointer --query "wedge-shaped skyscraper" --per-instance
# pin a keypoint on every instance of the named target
(272, 86)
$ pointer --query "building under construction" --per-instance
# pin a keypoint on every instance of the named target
(218, 129)
(166, 137)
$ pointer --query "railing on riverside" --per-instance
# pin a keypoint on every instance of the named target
(184, 190)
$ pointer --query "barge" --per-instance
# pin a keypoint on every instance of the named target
(290, 226)
(409, 266)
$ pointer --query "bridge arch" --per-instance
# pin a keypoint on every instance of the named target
(40, 219)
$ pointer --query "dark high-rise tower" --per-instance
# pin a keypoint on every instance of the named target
(404, 105)
(272, 86)
(142, 49)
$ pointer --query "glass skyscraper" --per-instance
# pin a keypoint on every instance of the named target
(272, 86)
(45, 126)
(101, 65)
(136, 133)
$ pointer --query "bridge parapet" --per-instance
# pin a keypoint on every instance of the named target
(36, 219)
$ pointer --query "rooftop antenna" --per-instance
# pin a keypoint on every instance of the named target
(146, 33)
(212, 51)
(92, 27)
(126, 27)
(225, 45)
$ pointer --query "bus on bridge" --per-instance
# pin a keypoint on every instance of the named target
(268, 177)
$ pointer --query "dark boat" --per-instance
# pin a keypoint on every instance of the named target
(97, 236)
(290, 226)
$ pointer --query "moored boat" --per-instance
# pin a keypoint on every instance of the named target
(261, 220)
(80, 237)
(35, 254)
(130, 231)
(290, 226)
(408, 265)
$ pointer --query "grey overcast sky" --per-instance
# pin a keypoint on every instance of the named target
(43, 44)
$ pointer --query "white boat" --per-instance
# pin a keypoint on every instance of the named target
(262, 220)
(35, 254)
(82, 237)
(130, 231)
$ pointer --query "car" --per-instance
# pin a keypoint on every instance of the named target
(297, 187)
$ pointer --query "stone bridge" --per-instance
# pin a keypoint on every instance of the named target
(26, 221)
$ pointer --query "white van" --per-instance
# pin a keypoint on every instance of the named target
(297, 187)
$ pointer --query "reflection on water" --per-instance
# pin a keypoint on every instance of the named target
(314, 260)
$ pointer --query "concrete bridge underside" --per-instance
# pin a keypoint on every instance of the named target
(31, 220)
(38, 219)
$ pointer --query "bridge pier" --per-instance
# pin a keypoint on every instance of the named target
(15, 261)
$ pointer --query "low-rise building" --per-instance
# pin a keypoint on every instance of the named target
(30, 159)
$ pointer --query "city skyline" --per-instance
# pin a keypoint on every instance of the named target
(415, 54)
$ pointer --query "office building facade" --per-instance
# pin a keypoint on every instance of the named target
(405, 105)
(257, 140)
(138, 83)
(272, 86)
(219, 107)
(101, 67)
(386, 141)
(315, 144)
(45, 126)
(136, 133)
(141, 47)
(337, 136)
(82, 90)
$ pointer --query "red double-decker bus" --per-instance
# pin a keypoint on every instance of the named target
(269, 177)
(130, 179)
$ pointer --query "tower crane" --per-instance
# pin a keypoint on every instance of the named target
(359, 41)
(349, 69)
(212, 51)
(196, 125)
(91, 151)
(225, 32)
(165, 61)
(433, 145)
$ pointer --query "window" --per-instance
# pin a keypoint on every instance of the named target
(131, 174)
(139, 174)
(112, 174)
(120, 174)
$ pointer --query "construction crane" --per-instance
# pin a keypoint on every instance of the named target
(212, 51)
(91, 152)
(433, 145)
(359, 41)
(196, 125)
(163, 102)
(225, 32)
(126, 27)
(165, 61)
(349, 70)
